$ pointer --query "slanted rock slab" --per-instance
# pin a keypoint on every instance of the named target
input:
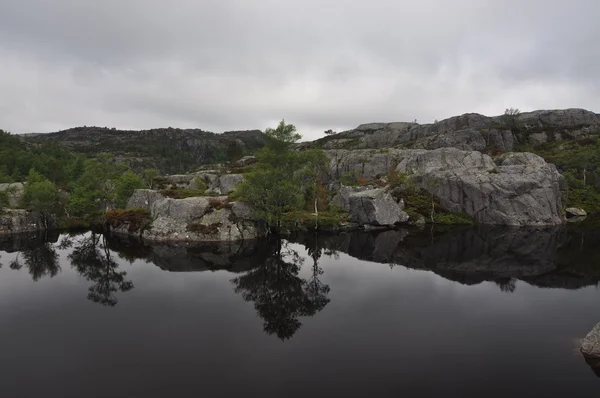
(375, 207)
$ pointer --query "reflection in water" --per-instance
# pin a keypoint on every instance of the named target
(40, 261)
(389, 319)
(89, 255)
(269, 270)
(280, 296)
(543, 257)
(92, 258)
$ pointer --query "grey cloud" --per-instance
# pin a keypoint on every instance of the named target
(227, 64)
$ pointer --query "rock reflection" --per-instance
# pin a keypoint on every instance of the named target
(270, 270)
(543, 257)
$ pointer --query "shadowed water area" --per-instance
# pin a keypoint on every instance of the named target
(477, 312)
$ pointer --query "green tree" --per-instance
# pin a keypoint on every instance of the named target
(282, 176)
(88, 193)
(149, 175)
(4, 199)
(282, 136)
(279, 181)
(42, 196)
(124, 187)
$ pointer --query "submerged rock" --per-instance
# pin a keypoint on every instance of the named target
(575, 212)
(375, 207)
(590, 346)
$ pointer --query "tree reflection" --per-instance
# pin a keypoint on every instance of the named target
(507, 285)
(92, 258)
(316, 289)
(40, 261)
(280, 296)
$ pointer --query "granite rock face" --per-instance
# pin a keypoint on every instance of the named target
(197, 219)
(471, 131)
(14, 221)
(220, 184)
(517, 189)
(342, 196)
(375, 207)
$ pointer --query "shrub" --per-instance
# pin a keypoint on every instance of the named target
(453, 219)
(160, 182)
(220, 203)
(136, 218)
(4, 199)
(203, 229)
(362, 181)
(396, 178)
(199, 184)
(349, 179)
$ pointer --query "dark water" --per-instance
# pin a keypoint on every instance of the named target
(464, 313)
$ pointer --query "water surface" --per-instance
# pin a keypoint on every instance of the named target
(477, 312)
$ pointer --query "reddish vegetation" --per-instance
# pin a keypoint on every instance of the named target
(136, 219)
(204, 229)
(220, 203)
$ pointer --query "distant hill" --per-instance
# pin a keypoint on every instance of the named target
(170, 150)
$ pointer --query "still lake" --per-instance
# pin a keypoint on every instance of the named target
(476, 312)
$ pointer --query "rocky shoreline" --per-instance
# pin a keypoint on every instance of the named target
(464, 165)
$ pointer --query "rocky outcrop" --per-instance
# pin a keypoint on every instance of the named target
(590, 346)
(196, 219)
(14, 221)
(471, 131)
(341, 198)
(522, 190)
(170, 150)
(375, 207)
(517, 189)
(219, 184)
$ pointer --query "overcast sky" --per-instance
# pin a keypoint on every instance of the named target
(320, 64)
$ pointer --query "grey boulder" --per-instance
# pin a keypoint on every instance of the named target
(575, 212)
(228, 182)
(196, 219)
(375, 207)
(590, 345)
(518, 189)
